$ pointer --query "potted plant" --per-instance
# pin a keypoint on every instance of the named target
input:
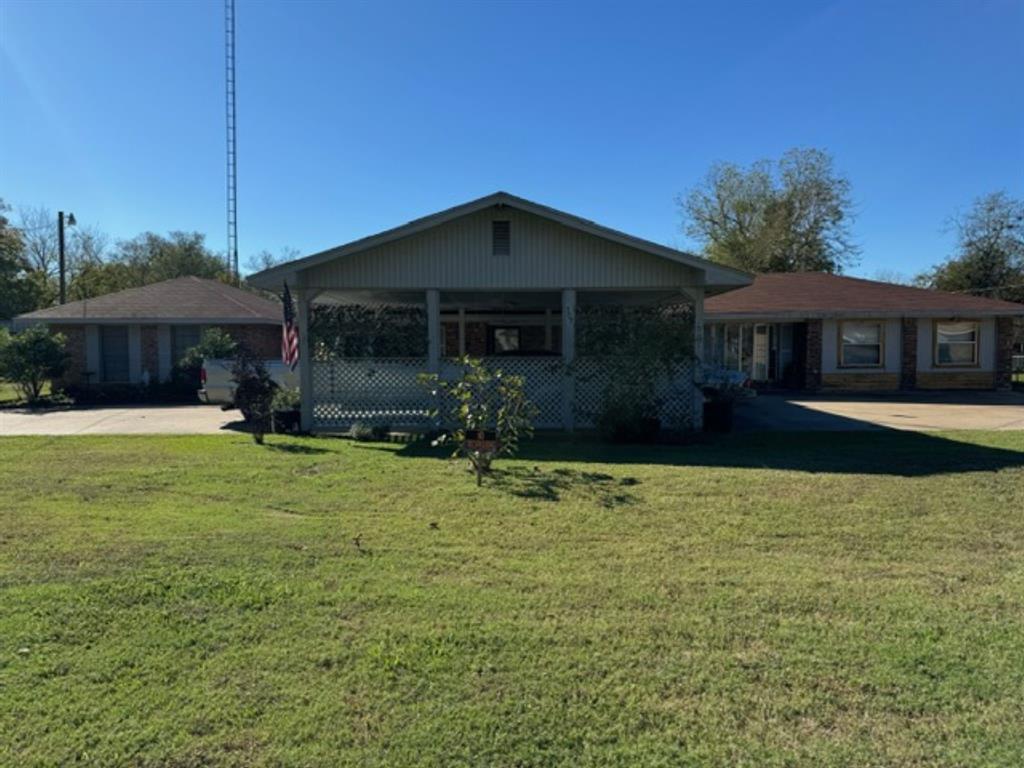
(721, 392)
(287, 409)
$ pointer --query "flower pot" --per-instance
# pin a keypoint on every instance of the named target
(288, 420)
(718, 415)
(483, 442)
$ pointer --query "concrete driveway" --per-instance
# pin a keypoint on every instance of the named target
(920, 411)
(119, 420)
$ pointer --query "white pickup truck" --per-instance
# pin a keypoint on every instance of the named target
(218, 386)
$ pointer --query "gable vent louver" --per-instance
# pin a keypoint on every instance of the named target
(501, 238)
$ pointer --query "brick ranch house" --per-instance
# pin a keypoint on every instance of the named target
(817, 331)
(137, 335)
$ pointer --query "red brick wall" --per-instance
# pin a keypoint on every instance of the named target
(75, 347)
(1004, 352)
(812, 371)
(476, 339)
(532, 337)
(908, 353)
(261, 340)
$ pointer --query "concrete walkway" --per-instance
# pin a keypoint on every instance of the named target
(921, 411)
(119, 420)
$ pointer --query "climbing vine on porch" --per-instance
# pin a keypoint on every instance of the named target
(639, 348)
(363, 330)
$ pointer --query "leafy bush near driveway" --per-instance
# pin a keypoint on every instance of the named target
(32, 358)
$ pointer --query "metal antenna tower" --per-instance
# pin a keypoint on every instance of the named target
(229, 61)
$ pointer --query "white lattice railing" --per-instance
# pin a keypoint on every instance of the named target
(387, 391)
(372, 391)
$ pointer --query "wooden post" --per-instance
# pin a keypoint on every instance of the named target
(434, 330)
(462, 332)
(547, 331)
(696, 295)
(568, 355)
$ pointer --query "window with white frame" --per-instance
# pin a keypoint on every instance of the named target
(861, 344)
(956, 344)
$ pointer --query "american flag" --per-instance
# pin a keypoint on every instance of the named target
(289, 332)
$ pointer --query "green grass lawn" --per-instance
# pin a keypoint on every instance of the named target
(818, 600)
(11, 395)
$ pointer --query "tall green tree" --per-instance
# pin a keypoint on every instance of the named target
(790, 215)
(147, 258)
(22, 289)
(989, 258)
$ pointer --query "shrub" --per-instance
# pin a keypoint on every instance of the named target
(286, 404)
(31, 358)
(628, 412)
(287, 399)
(215, 343)
(254, 394)
(361, 431)
(490, 410)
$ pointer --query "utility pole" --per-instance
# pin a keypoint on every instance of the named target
(229, 78)
(60, 249)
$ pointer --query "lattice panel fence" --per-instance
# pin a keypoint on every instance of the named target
(543, 383)
(386, 391)
(372, 391)
(675, 393)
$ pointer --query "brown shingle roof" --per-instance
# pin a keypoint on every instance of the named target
(817, 294)
(183, 299)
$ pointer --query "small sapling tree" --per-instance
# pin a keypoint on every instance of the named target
(489, 410)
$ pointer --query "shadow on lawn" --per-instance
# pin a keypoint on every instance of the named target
(549, 485)
(881, 452)
(295, 448)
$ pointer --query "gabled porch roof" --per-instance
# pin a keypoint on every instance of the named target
(717, 278)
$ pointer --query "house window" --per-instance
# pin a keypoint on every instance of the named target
(956, 344)
(114, 353)
(860, 344)
(501, 238)
(183, 338)
(505, 340)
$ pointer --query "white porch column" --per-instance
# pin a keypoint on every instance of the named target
(434, 330)
(305, 361)
(568, 355)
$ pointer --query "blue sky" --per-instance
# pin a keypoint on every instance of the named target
(357, 117)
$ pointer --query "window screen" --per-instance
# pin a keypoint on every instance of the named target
(956, 343)
(114, 353)
(501, 238)
(183, 338)
(861, 345)
(506, 340)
